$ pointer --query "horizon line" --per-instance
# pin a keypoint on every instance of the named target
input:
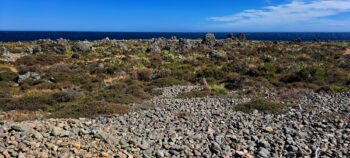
(176, 31)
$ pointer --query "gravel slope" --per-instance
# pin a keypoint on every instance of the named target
(196, 127)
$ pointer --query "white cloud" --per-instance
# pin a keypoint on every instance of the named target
(294, 13)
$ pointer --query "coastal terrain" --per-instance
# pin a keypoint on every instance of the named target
(174, 98)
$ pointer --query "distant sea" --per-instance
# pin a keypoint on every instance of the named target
(11, 36)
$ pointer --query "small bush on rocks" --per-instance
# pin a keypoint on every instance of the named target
(311, 74)
(262, 105)
(211, 74)
(218, 90)
(167, 82)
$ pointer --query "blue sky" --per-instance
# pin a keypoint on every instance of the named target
(176, 15)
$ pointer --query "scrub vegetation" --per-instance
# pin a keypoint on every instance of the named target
(85, 79)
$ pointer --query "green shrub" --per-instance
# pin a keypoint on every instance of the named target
(311, 74)
(262, 105)
(211, 74)
(27, 103)
(114, 65)
(123, 93)
(218, 90)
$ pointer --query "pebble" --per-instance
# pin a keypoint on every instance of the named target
(263, 152)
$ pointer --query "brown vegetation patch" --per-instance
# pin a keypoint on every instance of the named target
(10, 67)
(112, 79)
(22, 115)
(34, 93)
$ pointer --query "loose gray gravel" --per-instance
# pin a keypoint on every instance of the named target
(195, 127)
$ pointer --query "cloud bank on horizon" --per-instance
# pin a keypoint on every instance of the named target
(295, 15)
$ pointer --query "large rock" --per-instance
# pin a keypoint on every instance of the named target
(154, 48)
(7, 56)
(264, 153)
(209, 39)
(82, 47)
(28, 76)
(121, 46)
(56, 131)
(185, 44)
(219, 55)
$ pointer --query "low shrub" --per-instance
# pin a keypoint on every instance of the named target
(7, 75)
(167, 82)
(42, 59)
(144, 74)
(123, 93)
(218, 90)
(234, 82)
(211, 74)
(62, 97)
(262, 105)
(27, 103)
(311, 74)
(89, 109)
(331, 89)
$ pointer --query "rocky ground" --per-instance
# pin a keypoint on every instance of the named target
(195, 127)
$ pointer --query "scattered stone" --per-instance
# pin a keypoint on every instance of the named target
(153, 48)
(210, 129)
(33, 76)
(269, 129)
(82, 47)
(218, 55)
(18, 128)
(56, 131)
(7, 56)
(209, 39)
(160, 154)
(37, 135)
(263, 152)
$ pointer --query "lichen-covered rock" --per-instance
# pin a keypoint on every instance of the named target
(209, 39)
(185, 44)
(153, 48)
(82, 47)
(218, 55)
(121, 46)
(7, 56)
(28, 76)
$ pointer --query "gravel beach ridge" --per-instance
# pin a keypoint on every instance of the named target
(194, 127)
